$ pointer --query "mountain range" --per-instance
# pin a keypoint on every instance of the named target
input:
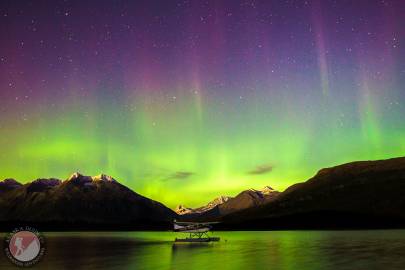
(80, 202)
(363, 194)
(225, 205)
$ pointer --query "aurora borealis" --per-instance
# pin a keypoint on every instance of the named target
(184, 101)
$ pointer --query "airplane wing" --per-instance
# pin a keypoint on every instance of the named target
(195, 223)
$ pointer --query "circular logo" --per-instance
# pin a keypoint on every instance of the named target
(24, 246)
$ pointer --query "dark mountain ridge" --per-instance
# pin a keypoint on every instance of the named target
(357, 195)
(80, 202)
(364, 194)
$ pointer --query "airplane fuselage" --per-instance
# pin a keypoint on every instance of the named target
(193, 228)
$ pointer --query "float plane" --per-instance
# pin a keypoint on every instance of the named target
(198, 231)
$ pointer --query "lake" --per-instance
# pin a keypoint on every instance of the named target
(378, 249)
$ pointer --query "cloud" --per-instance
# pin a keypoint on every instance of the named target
(180, 175)
(262, 169)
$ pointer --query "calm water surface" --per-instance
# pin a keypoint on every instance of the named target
(384, 249)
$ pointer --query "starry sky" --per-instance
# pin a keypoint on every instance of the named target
(184, 101)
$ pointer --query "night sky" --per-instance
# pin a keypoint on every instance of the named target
(184, 101)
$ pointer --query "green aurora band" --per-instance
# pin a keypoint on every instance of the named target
(188, 152)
